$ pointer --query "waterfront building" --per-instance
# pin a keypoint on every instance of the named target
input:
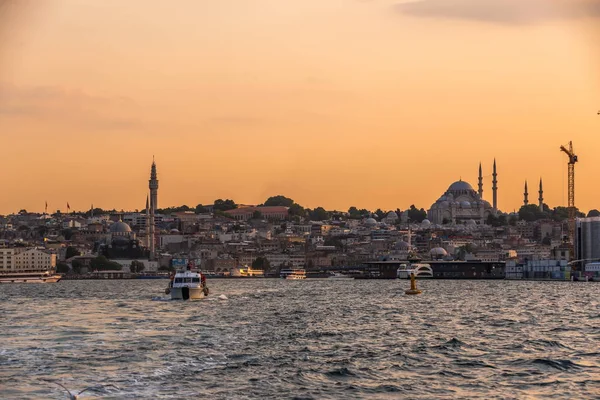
(21, 259)
(587, 240)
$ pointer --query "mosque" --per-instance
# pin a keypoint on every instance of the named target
(123, 242)
(461, 204)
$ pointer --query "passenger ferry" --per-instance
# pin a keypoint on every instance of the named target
(420, 271)
(293, 274)
(187, 285)
(247, 272)
(30, 277)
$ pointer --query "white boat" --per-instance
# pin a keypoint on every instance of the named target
(30, 277)
(293, 274)
(420, 271)
(337, 275)
(187, 285)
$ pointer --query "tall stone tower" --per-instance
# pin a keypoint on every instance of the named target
(480, 191)
(495, 189)
(153, 185)
(541, 198)
(525, 195)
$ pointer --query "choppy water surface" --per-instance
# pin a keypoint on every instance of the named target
(302, 339)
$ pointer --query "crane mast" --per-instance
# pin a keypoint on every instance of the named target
(571, 190)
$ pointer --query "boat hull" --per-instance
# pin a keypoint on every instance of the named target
(40, 279)
(187, 293)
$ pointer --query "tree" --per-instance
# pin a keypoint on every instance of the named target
(67, 234)
(200, 209)
(318, 214)
(593, 213)
(547, 240)
(76, 264)
(495, 221)
(171, 210)
(416, 215)
(261, 263)
(531, 213)
(256, 215)
(224, 205)
(279, 200)
(101, 263)
(560, 213)
(296, 210)
(71, 252)
(136, 266)
(62, 268)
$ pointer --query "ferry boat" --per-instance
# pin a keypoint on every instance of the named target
(247, 272)
(293, 274)
(187, 285)
(30, 277)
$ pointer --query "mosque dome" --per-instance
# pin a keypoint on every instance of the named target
(471, 222)
(370, 222)
(425, 222)
(465, 204)
(120, 227)
(438, 252)
(392, 215)
(401, 245)
(460, 185)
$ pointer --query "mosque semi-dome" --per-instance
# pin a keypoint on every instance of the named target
(401, 245)
(465, 204)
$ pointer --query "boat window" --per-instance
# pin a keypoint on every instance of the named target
(195, 280)
(178, 280)
(187, 280)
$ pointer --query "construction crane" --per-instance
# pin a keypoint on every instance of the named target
(572, 161)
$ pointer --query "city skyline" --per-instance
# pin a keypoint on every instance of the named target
(368, 103)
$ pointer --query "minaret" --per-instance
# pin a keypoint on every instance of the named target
(541, 198)
(495, 188)
(480, 191)
(153, 185)
(526, 195)
(147, 221)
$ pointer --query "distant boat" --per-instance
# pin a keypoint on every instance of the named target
(247, 272)
(293, 274)
(337, 275)
(30, 277)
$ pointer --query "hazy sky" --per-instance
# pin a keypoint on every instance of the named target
(378, 103)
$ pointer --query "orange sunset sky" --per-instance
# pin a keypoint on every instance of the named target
(335, 103)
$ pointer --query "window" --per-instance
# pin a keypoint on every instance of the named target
(178, 280)
(187, 280)
(195, 280)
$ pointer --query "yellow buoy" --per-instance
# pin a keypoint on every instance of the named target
(413, 285)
